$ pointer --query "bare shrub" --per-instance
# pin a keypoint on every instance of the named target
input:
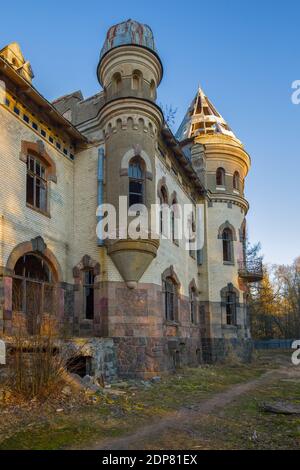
(39, 357)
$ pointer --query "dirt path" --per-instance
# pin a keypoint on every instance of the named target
(185, 416)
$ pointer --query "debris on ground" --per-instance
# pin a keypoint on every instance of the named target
(281, 407)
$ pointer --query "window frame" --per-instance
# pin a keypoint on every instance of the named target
(231, 308)
(91, 287)
(236, 181)
(170, 291)
(220, 177)
(141, 180)
(227, 246)
(39, 179)
(193, 306)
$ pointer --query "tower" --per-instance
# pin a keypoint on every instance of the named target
(221, 156)
(130, 71)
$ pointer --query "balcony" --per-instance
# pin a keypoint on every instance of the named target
(251, 271)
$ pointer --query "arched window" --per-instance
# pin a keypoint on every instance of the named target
(220, 177)
(152, 90)
(227, 238)
(136, 175)
(236, 181)
(192, 236)
(33, 290)
(137, 80)
(116, 83)
(88, 293)
(174, 226)
(193, 306)
(171, 299)
(231, 308)
(163, 199)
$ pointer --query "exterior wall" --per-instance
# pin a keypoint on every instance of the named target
(138, 338)
(20, 223)
(85, 205)
(169, 254)
(221, 274)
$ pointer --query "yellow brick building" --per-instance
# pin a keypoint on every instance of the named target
(158, 302)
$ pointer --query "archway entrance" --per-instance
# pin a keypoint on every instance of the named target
(33, 290)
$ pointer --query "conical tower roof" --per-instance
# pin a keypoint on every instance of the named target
(202, 118)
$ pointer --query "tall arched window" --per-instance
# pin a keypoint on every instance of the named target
(88, 293)
(171, 299)
(231, 308)
(136, 175)
(227, 238)
(36, 184)
(174, 226)
(220, 177)
(163, 199)
(116, 82)
(236, 181)
(193, 306)
(192, 236)
(137, 80)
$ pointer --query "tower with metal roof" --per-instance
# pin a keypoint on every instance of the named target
(213, 147)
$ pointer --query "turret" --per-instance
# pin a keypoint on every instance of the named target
(130, 71)
(216, 150)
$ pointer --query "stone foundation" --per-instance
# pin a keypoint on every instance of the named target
(219, 350)
(148, 357)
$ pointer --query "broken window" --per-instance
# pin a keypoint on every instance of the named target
(36, 186)
(88, 293)
(136, 182)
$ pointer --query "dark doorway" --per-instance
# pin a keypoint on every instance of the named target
(33, 290)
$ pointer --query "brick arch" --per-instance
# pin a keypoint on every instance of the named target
(162, 183)
(223, 227)
(193, 286)
(38, 149)
(35, 246)
(230, 288)
(136, 151)
(86, 263)
(170, 272)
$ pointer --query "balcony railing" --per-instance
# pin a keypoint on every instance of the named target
(251, 271)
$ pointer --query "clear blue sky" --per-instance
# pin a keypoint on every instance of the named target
(245, 54)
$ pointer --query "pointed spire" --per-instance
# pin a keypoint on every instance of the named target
(202, 118)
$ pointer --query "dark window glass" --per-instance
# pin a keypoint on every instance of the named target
(227, 245)
(193, 306)
(25, 118)
(231, 308)
(163, 201)
(220, 177)
(136, 183)
(35, 126)
(170, 293)
(32, 290)
(36, 188)
(16, 110)
(88, 290)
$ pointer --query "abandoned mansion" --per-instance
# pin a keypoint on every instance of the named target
(146, 304)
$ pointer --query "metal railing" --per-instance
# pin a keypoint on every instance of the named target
(251, 270)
